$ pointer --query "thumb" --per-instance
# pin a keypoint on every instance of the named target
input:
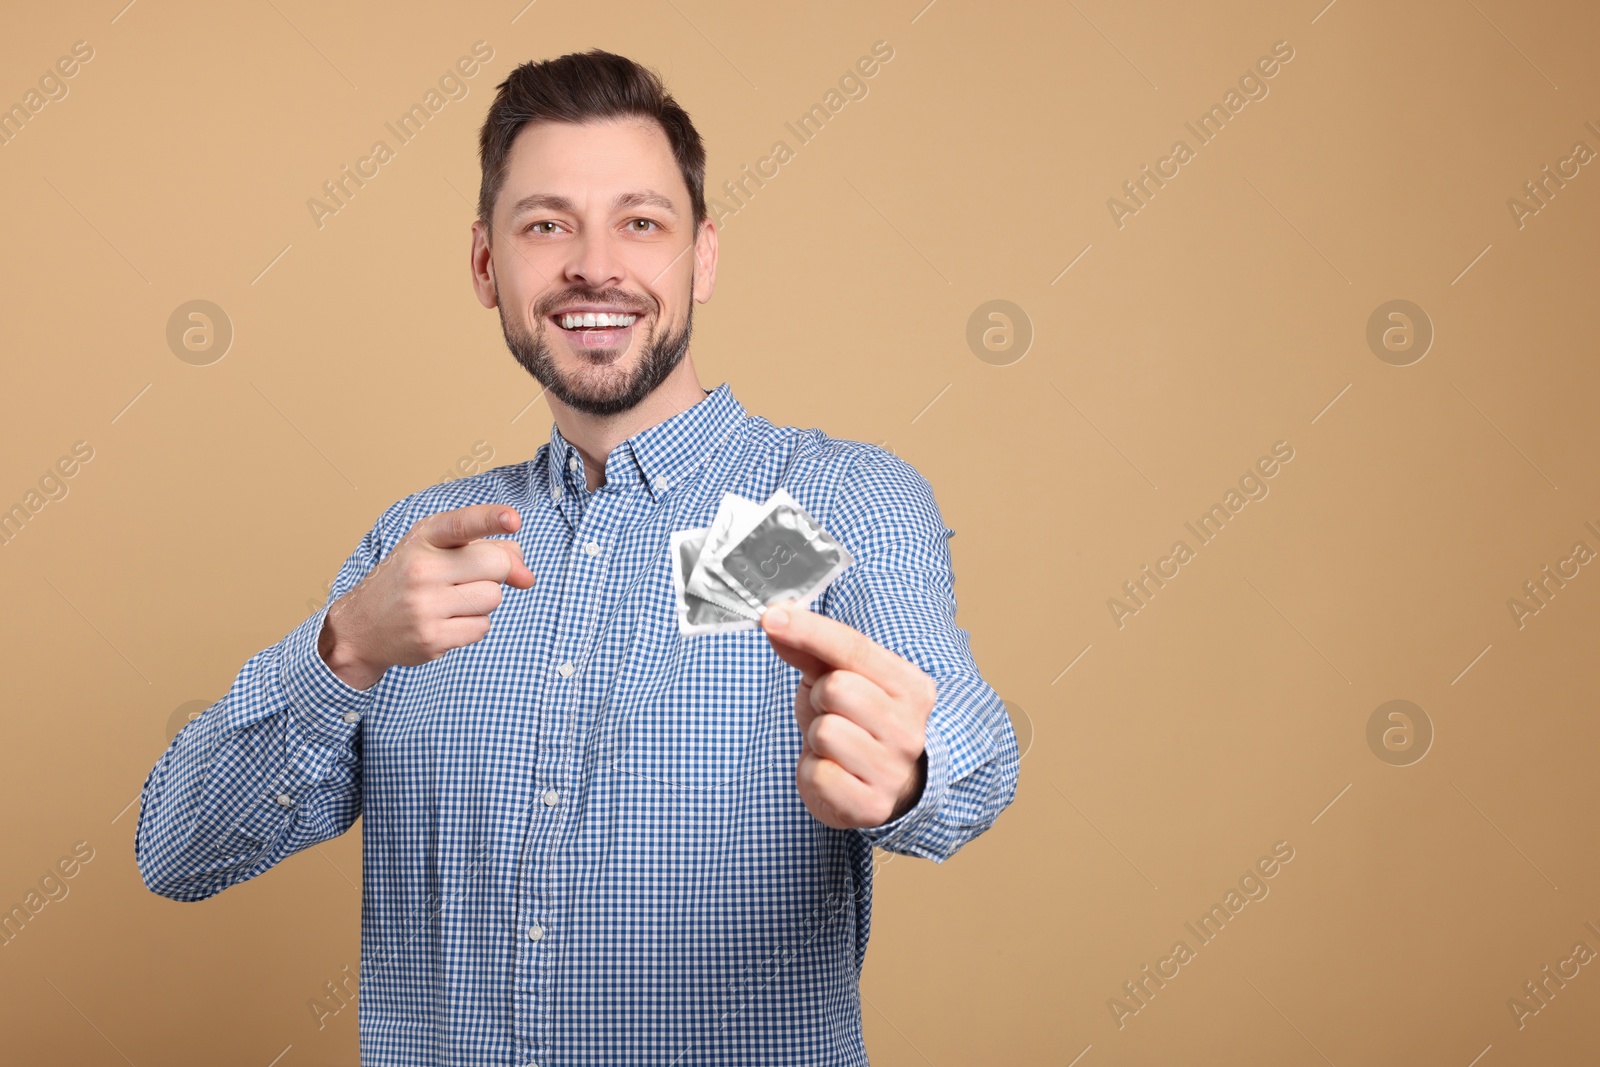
(520, 576)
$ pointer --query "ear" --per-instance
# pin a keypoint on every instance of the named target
(481, 264)
(705, 261)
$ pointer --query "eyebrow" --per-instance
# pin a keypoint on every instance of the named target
(552, 202)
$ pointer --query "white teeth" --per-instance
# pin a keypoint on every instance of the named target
(590, 318)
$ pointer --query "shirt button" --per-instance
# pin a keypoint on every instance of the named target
(535, 932)
(593, 548)
(555, 491)
(572, 463)
(285, 800)
(551, 798)
(352, 717)
(565, 670)
(662, 481)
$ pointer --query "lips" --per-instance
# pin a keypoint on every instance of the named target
(591, 337)
(595, 327)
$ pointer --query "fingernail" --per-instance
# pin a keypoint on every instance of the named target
(776, 618)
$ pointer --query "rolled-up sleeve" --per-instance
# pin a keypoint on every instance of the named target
(900, 591)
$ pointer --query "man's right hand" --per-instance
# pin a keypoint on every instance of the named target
(434, 592)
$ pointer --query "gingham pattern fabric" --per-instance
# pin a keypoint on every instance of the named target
(582, 842)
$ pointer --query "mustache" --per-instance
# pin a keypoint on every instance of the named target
(612, 298)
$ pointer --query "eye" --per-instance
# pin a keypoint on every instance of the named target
(534, 227)
(647, 222)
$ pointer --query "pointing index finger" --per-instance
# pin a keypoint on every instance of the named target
(460, 526)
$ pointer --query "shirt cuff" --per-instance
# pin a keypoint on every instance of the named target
(329, 705)
(902, 834)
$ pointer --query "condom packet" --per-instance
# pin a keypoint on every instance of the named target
(697, 615)
(734, 515)
(752, 555)
(782, 553)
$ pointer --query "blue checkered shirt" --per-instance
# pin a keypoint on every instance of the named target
(583, 843)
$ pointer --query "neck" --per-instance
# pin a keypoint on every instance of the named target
(594, 436)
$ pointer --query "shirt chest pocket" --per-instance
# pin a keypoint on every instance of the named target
(711, 713)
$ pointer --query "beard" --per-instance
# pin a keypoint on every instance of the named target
(610, 388)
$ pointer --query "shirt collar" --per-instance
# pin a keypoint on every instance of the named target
(659, 457)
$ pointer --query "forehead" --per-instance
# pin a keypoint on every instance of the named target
(590, 162)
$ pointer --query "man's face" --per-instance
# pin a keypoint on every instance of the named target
(594, 264)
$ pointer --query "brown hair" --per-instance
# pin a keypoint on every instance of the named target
(584, 87)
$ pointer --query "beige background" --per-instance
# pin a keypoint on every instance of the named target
(1228, 314)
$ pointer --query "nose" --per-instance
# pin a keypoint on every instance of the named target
(595, 262)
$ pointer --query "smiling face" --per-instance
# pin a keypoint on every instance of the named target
(595, 263)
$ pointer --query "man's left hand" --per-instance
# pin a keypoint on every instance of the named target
(863, 715)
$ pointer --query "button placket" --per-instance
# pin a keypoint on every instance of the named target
(582, 604)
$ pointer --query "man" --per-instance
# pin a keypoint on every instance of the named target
(587, 838)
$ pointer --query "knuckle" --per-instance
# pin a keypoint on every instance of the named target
(412, 570)
(814, 732)
(824, 730)
(822, 690)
